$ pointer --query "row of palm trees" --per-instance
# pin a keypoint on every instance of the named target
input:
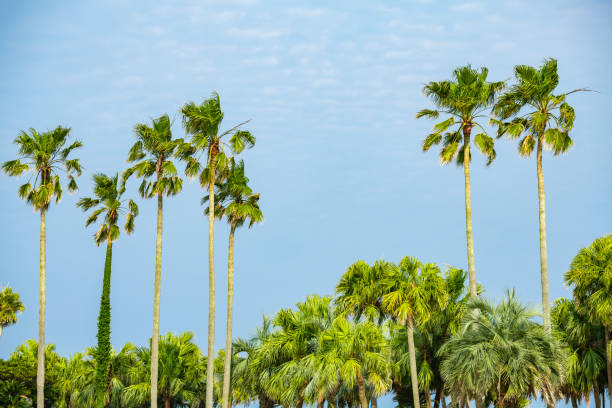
(46, 156)
(390, 328)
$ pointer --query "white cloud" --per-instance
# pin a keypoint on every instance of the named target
(254, 33)
(306, 12)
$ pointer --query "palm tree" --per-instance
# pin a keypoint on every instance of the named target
(202, 122)
(410, 291)
(501, 355)
(585, 345)
(545, 120)
(590, 274)
(464, 99)
(153, 150)
(359, 292)
(179, 361)
(45, 155)
(10, 305)
(353, 353)
(108, 202)
(238, 204)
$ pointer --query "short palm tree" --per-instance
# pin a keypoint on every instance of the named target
(586, 348)
(45, 155)
(359, 292)
(10, 305)
(179, 358)
(237, 203)
(108, 203)
(501, 355)
(202, 122)
(354, 354)
(544, 120)
(464, 99)
(153, 151)
(590, 276)
(410, 290)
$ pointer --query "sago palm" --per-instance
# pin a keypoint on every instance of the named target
(45, 156)
(411, 289)
(590, 276)
(463, 100)
(10, 305)
(153, 151)
(543, 120)
(237, 203)
(202, 123)
(109, 204)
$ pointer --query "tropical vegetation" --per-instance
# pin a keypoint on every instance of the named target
(424, 334)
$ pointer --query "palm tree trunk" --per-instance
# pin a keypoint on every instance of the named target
(104, 317)
(227, 367)
(40, 369)
(468, 212)
(211, 289)
(362, 394)
(413, 368)
(574, 402)
(596, 394)
(543, 252)
(166, 402)
(374, 402)
(608, 363)
(320, 401)
(443, 399)
(156, 296)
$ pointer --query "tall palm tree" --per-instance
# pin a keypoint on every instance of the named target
(501, 355)
(153, 151)
(545, 120)
(10, 305)
(464, 99)
(354, 353)
(108, 203)
(202, 122)
(45, 155)
(410, 291)
(237, 203)
(590, 274)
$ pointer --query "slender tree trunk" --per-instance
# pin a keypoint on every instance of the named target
(374, 402)
(468, 211)
(362, 393)
(436, 403)
(42, 302)
(543, 251)
(166, 402)
(413, 367)
(156, 300)
(227, 367)
(211, 289)
(596, 394)
(574, 402)
(320, 401)
(608, 364)
(300, 403)
(443, 399)
(104, 317)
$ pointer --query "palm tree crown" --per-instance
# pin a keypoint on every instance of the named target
(108, 192)
(464, 99)
(10, 305)
(153, 150)
(547, 116)
(45, 155)
(235, 200)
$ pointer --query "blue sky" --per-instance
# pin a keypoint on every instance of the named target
(332, 90)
